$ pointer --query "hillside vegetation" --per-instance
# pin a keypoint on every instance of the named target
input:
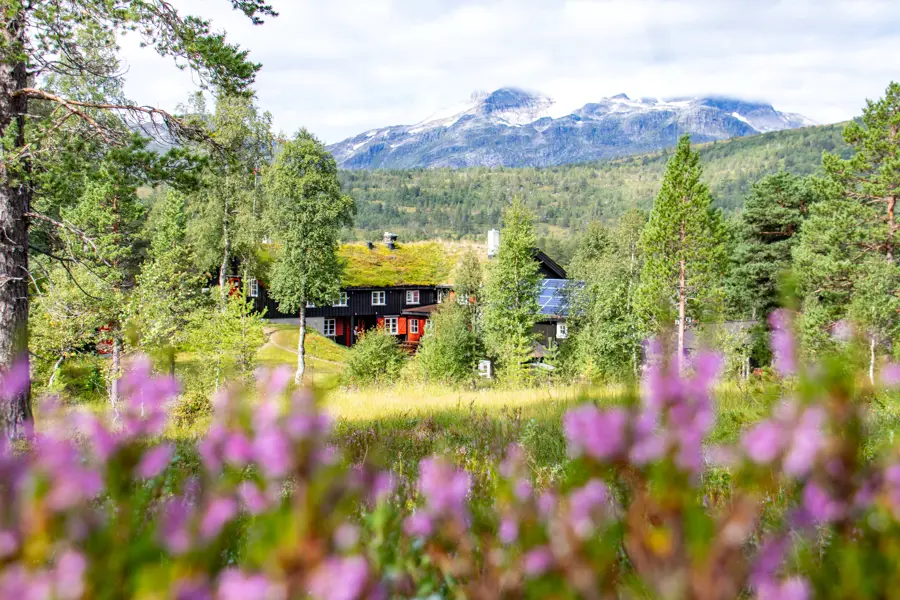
(426, 203)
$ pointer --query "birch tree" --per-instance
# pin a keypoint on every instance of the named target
(307, 211)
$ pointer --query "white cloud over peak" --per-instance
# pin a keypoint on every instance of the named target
(340, 67)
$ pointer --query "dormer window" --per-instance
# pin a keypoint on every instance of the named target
(412, 296)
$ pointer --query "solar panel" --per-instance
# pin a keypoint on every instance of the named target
(551, 299)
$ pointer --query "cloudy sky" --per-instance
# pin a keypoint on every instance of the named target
(340, 67)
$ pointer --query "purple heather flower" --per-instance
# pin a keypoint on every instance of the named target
(522, 490)
(820, 506)
(69, 576)
(383, 486)
(236, 585)
(537, 561)
(346, 536)
(890, 375)
(340, 579)
(547, 504)
(783, 346)
(236, 449)
(192, 589)
(444, 487)
(219, 512)
(514, 459)
(806, 442)
(277, 380)
(584, 503)
(418, 524)
(509, 530)
(272, 452)
(252, 498)
(15, 380)
(763, 442)
(154, 462)
(598, 434)
(793, 588)
(174, 530)
(8, 543)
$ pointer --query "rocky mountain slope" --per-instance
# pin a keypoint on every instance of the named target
(515, 128)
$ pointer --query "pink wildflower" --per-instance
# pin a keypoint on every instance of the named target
(154, 462)
(340, 578)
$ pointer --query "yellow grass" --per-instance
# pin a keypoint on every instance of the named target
(427, 400)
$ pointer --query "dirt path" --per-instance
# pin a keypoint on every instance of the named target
(294, 351)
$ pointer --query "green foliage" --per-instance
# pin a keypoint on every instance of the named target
(417, 263)
(510, 295)
(169, 290)
(682, 245)
(306, 212)
(468, 277)
(453, 203)
(376, 358)
(767, 232)
(604, 330)
(226, 342)
(448, 353)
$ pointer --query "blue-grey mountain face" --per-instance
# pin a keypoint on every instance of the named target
(514, 128)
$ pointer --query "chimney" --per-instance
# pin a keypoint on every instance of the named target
(390, 239)
(493, 242)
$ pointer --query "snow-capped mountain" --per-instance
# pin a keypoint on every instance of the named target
(512, 127)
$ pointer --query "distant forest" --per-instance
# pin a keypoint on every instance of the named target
(465, 203)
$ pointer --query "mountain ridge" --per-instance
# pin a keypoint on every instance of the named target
(512, 127)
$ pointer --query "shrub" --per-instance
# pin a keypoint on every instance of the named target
(447, 353)
(375, 358)
(191, 409)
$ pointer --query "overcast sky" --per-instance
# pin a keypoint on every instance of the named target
(340, 67)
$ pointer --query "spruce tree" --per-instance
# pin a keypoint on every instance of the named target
(307, 211)
(766, 234)
(683, 248)
(510, 295)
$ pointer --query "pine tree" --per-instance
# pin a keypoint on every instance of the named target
(682, 246)
(510, 294)
(872, 175)
(767, 232)
(306, 211)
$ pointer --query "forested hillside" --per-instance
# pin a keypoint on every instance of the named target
(422, 203)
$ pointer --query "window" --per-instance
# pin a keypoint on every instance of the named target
(441, 294)
(414, 326)
(329, 328)
(310, 304)
(254, 288)
(412, 296)
(342, 299)
(378, 298)
(390, 324)
(562, 330)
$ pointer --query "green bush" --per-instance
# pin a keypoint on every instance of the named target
(448, 352)
(190, 408)
(376, 358)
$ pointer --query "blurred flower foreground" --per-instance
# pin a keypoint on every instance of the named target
(263, 506)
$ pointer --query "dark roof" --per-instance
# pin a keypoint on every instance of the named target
(421, 310)
(551, 264)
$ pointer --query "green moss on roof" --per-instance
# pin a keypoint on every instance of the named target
(415, 263)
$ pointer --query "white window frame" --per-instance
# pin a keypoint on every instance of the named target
(392, 325)
(379, 294)
(410, 294)
(329, 327)
(562, 330)
(342, 300)
(414, 326)
(310, 304)
(253, 287)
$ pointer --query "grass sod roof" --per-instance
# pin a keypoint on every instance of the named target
(413, 263)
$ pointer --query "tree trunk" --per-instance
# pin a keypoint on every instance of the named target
(55, 372)
(15, 198)
(890, 241)
(682, 299)
(872, 360)
(226, 242)
(301, 351)
(115, 372)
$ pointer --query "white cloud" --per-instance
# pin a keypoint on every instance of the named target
(340, 67)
